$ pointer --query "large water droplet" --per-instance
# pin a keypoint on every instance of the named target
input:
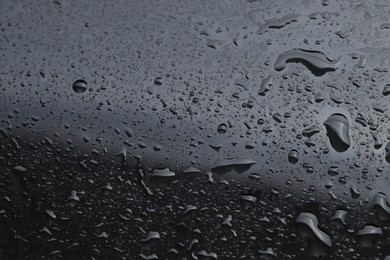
(386, 90)
(79, 86)
(265, 85)
(378, 142)
(293, 156)
(315, 61)
(309, 132)
(152, 235)
(368, 235)
(319, 240)
(19, 168)
(192, 172)
(162, 177)
(227, 164)
(337, 127)
(370, 230)
(381, 206)
(277, 23)
(333, 170)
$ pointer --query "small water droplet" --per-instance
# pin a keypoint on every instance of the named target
(158, 81)
(222, 128)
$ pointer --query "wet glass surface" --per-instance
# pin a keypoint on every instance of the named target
(194, 129)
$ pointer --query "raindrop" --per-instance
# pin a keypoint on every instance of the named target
(355, 193)
(79, 86)
(309, 132)
(20, 169)
(319, 97)
(222, 128)
(319, 240)
(152, 235)
(315, 61)
(340, 216)
(162, 177)
(148, 257)
(368, 235)
(337, 127)
(387, 154)
(224, 165)
(248, 201)
(378, 142)
(293, 156)
(386, 90)
(158, 81)
(278, 23)
(205, 255)
(370, 230)
(250, 145)
(269, 252)
(381, 206)
(265, 85)
(192, 172)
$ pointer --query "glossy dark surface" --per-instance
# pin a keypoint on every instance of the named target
(194, 130)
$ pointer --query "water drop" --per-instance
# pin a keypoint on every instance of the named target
(386, 90)
(293, 156)
(368, 235)
(333, 170)
(315, 61)
(381, 206)
(79, 86)
(387, 154)
(337, 127)
(222, 128)
(340, 216)
(319, 240)
(224, 165)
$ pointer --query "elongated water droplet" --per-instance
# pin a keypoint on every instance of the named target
(315, 61)
(319, 240)
(387, 154)
(386, 90)
(381, 206)
(337, 127)
(309, 132)
(224, 165)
